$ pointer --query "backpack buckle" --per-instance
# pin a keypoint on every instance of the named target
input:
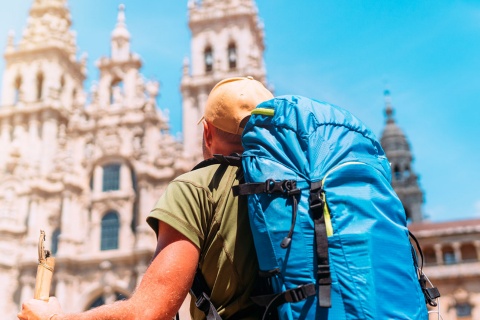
(289, 186)
(272, 186)
(316, 200)
(203, 302)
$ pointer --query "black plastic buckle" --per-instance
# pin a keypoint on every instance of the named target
(203, 303)
(316, 199)
(272, 186)
(323, 274)
(289, 186)
(431, 294)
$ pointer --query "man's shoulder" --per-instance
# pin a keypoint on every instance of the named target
(197, 174)
(208, 176)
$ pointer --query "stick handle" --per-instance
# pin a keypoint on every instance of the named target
(46, 264)
(44, 279)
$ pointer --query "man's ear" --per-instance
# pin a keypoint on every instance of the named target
(207, 134)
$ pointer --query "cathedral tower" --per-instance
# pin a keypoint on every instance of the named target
(41, 82)
(227, 41)
(85, 172)
(404, 179)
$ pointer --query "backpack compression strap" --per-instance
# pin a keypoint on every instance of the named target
(323, 268)
(289, 187)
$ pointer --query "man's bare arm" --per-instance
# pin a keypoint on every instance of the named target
(160, 293)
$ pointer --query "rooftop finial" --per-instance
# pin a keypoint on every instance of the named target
(388, 106)
(120, 30)
(121, 15)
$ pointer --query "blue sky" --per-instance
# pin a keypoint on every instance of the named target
(345, 52)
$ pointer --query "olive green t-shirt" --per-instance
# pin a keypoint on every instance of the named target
(201, 206)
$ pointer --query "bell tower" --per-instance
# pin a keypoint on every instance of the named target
(41, 82)
(42, 86)
(404, 179)
(227, 41)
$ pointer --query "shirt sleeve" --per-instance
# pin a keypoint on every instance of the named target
(186, 207)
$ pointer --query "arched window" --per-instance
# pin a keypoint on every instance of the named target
(208, 55)
(55, 236)
(17, 85)
(110, 228)
(448, 255)
(232, 56)
(429, 256)
(469, 252)
(39, 86)
(111, 177)
(397, 173)
(116, 91)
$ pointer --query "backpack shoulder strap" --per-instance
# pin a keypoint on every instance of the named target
(232, 160)
(199, 288)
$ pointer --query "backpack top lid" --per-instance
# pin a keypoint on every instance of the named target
(310, 137)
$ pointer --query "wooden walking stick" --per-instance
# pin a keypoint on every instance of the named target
(46, 264)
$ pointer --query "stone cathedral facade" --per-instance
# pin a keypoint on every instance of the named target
(88, 166)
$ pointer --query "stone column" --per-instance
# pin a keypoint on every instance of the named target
(438, 253)
(19, 134)
(69, 226)
(457, 252)
(145, 238)
(49, 140)
(476, 243)
(61, 290)
(97, 180)
(33, 140)
(5, 141)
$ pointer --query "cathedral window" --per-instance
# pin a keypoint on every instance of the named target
(17, 86)
(397, 173)
(208, 55)
(111, 177)
(110, 228)
(55, 236)
(39, 86)
(232, 56)
(116, 91)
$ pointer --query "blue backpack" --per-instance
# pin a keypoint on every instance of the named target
(329, 230)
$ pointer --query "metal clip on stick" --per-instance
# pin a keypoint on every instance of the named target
(46, 264)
